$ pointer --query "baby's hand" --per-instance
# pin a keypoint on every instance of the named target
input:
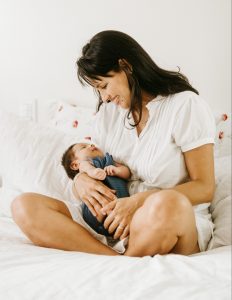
(111, 170)
(97, 173)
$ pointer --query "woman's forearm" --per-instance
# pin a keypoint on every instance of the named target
(196, 191)
(139, 198)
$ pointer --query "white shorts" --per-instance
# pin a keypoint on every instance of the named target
(204, 226)
(75, 210)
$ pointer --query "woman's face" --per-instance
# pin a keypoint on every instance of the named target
(114, 89)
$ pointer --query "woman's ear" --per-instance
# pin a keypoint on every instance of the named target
(123, 63)
(75, 165)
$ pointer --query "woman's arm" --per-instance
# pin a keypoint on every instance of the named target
(200, 189)
(200, 166)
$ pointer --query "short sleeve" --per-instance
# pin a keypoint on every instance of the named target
(195, 124)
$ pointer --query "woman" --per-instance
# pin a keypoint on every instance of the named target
(154, 121)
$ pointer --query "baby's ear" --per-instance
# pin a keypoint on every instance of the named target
(75, 165)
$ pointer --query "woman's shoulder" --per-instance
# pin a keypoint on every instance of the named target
(190, 104)
(186, 96)
(188, 100)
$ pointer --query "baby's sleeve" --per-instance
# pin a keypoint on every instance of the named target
(195, 124)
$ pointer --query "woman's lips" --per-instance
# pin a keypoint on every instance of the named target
(116, 100)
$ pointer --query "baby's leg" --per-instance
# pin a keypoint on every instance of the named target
(96, 223)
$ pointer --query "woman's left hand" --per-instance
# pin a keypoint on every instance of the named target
(119, 215)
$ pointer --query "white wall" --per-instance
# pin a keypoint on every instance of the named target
(40, 41)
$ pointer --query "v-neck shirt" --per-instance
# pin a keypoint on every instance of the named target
(176, 124)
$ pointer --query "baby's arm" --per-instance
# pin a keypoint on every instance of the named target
(96, 173)
(118, 170)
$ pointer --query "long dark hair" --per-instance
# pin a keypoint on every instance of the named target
(102, 55)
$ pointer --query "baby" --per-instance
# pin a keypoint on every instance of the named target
(87, 158)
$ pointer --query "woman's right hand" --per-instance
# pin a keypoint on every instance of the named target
(92, 192)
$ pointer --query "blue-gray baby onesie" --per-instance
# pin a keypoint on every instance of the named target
(113, 182)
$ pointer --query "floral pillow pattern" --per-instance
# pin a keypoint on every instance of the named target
(72, 119)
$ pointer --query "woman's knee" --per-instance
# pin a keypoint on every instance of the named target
(22, 208)
(30, 208)
(166, 205)
(159, 222)
(162, 211)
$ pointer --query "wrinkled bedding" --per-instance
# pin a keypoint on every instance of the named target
(29, 272)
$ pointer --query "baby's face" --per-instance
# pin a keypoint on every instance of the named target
(82, 151)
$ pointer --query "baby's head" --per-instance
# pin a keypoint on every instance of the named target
(75, 154)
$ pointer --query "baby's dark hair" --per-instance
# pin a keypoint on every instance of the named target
(66, 160)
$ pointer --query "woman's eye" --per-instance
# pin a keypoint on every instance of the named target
(104, 86)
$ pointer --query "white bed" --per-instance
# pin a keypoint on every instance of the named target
(31, 272)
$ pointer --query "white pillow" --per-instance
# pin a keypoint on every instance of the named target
(220, 207)
(71, 118)
(30, 160)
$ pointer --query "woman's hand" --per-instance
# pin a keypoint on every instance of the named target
(119, 216)
(93, 193)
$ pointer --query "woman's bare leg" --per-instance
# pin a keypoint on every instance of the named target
(47, 222)
(164, 224)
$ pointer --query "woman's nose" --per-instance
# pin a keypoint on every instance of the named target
(105, 97)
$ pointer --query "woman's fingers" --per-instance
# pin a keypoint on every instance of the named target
(109, 219)
(105, 191)
(119, 231)
(90, 207)
(108, 208)
(97, 207)
(125, 232)
(102, 200)
(114, 226)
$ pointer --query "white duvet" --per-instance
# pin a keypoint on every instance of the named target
(28, 272)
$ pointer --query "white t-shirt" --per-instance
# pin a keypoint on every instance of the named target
(176, 124)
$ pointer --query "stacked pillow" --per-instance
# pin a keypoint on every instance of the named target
(220, 207)
(30, 159)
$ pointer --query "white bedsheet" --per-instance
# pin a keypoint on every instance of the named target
(28, 272)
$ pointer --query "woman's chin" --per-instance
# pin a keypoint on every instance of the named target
(123, 105)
